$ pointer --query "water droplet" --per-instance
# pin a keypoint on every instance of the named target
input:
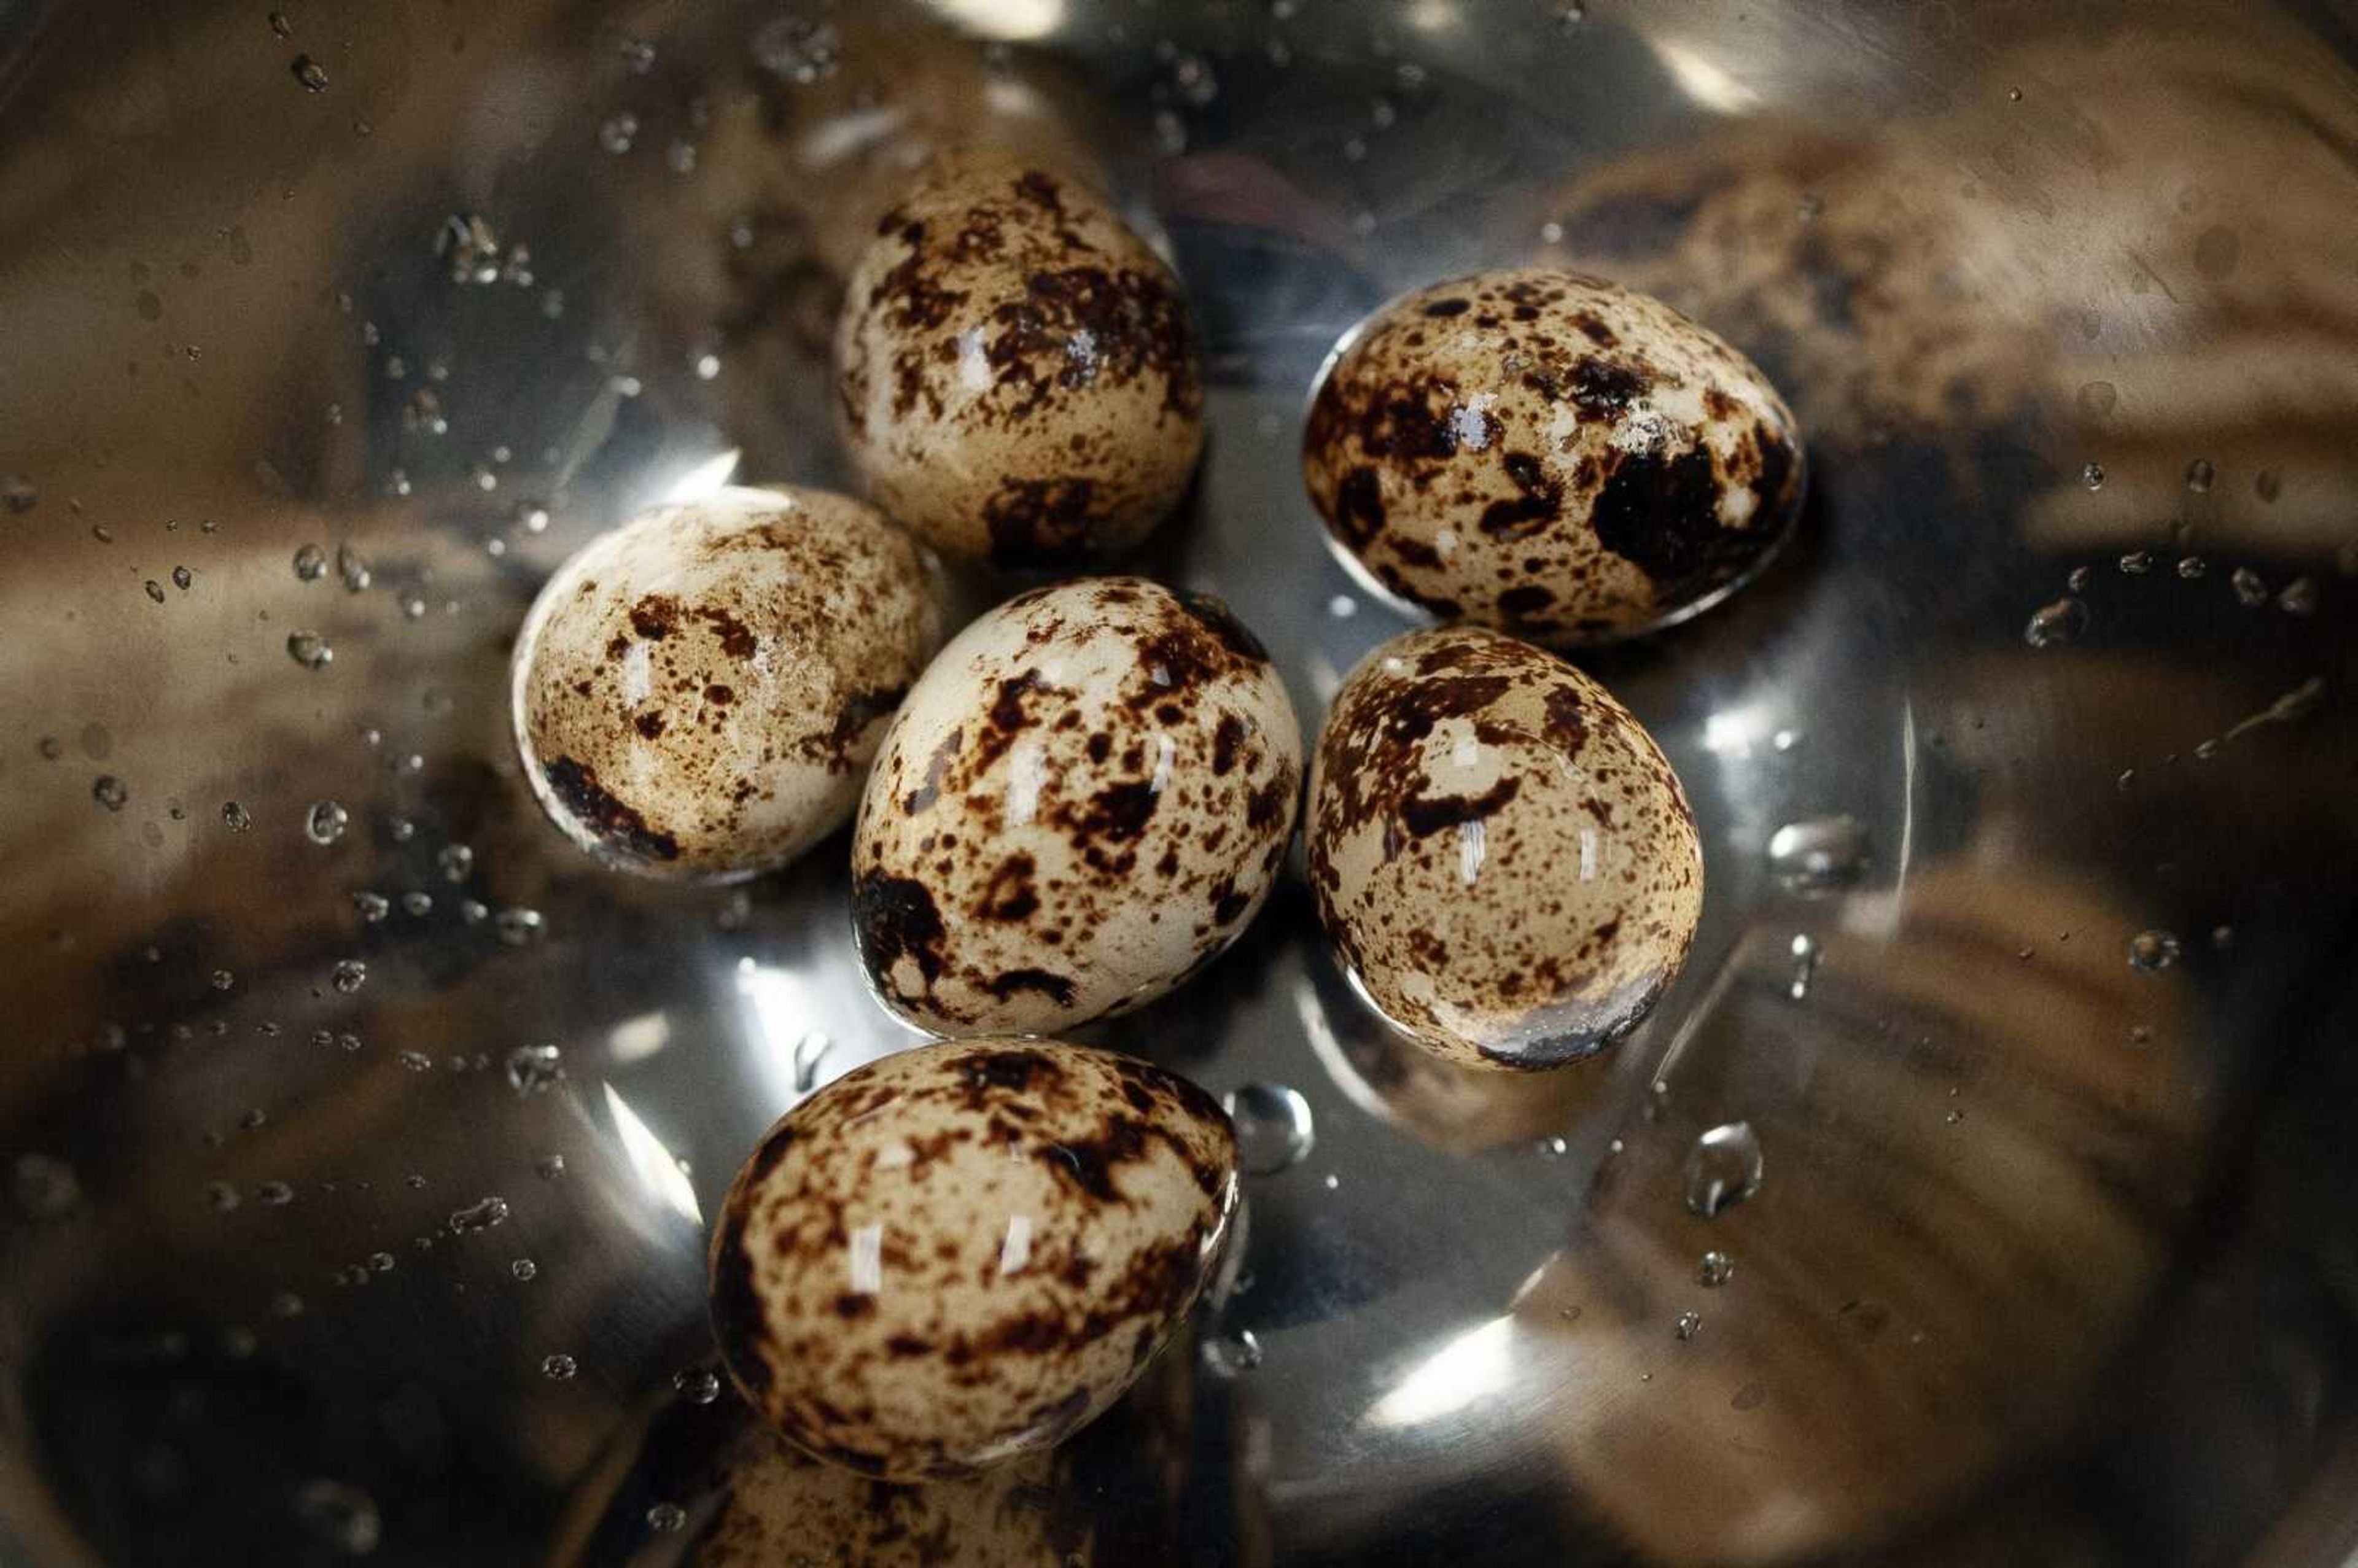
(1272, 1126)
(372, 906)
(2136, 563)
(558, 1368)
(1723, 1168)
(1715, 1270)
(2053, 624)
(479, 1216)
(551, 1167)
(524, 1269)
(110, 791)
(618, 132)
(798, 49)
(1805, 948)
(310, 73)
(697, 1385)
(325, 822)
(2199, 475)
(309, 650)
(532, 1068)
(2093, 475)
(2300, 596)
(1690, 1325)
(344, 1517)
(235, 817)
(518, 927)
(2152, 950)
(1231, 1354)
(352, 569)
(275, 1194)
(2014, 95)
(2192, 566)
(1818, 853)
(45, 1187)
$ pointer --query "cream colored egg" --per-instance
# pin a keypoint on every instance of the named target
(1549, 453)
(697, 694)
(1500, 854)
(1084, 800)
(1017, 373)
(965, 1252)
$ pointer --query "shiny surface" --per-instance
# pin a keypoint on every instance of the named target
(2049, 1259)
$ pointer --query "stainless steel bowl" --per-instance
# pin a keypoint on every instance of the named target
(2025, 777)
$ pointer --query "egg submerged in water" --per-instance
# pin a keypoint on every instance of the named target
(1501, 854)
(965, 1252)
(1084, 799)
(1549, 453)
(696, 694)
(1017, 375)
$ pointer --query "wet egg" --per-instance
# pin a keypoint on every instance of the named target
(1083, 801)
(964, 1252)
(1015, 369)
(1501, 854)
(1549, 453)
(697, 694)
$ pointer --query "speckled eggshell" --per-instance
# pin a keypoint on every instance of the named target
(697, 694)
(1501, 856)
(1549, 453)
(1083, 801)
(966, 1252)
(1016, 370)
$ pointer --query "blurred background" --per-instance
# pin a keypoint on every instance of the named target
(1980, 1194)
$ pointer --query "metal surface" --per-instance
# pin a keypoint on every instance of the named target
(2051, 1257)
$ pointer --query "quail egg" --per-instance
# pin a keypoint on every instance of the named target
(964, 1252)
(1500, 853)
(1084, 800)
(697, 694)
(1549, 453)
(1016, 370)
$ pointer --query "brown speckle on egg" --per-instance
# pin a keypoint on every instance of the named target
(1549, 453)
(1500, 853)
(1084, 799)
(964, 1252)
(697, 694)
(1015, 370)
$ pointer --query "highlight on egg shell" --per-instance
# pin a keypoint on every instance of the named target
(965, 1252)
(1017, 373)
(1084, 799)
(1549, 453)
(1501, 854)
(696, 694)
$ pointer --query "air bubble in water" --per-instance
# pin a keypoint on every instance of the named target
(618, 132)
(344, 1518)
(1715, 1270)
(416, 1061)
(1804, 949)
(1723, 1169)
(558, 1368)
(275, 1194)
(45, 1187)
(2251, 590)
(224, 981)
(110, 791)
(353, 570)
(1690, 1325)
(518, 927)
(457, 861)
(309, 650)
(551, 1167)
(325, 822)
(1818, 853)
(18, 494)
(2152, 950)
(697, 1385)
(310, 563)
(2136, 563)
(666, 1518)
(370, 906)
(154, 590)
(2300, 596)
(2093, 476)
(219, 1196)
(2199, 475)
(235, 817)
(416, 903)
(524, 1269)
(2192, 566)
(2053, 624)
(532, 1068)
(349, 975)
(310, 72)
(480, 1215)
(798, 49)
(1232, 1355)
(1273, 1127)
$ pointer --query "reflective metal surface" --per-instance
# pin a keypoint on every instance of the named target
(2049, 1258)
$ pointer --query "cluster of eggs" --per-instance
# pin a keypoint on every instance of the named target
(962, 1252)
